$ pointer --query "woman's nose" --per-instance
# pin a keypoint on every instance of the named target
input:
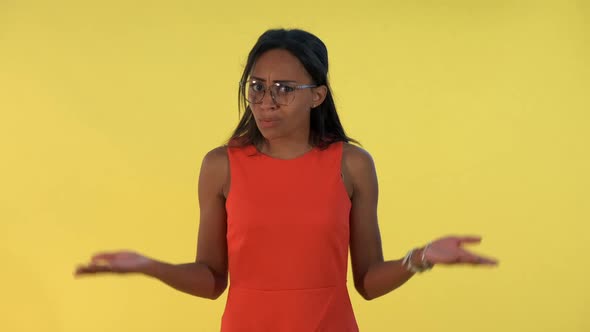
(267, 100)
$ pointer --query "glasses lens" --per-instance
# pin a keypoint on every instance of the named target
(255, 91)
(283, 93)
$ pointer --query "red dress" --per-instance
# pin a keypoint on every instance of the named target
(287, 238)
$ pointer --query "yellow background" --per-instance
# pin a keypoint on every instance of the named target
(476, 113)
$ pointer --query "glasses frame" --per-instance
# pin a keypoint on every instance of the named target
(243, 84)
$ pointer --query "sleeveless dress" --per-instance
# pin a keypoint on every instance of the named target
(287, 238)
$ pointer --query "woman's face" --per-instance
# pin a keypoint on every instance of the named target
(273, 118)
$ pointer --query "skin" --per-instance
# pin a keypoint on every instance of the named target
(287, 138)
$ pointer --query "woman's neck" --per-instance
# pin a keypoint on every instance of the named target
(285, 148)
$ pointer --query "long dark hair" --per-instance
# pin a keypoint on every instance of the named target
(325, 126)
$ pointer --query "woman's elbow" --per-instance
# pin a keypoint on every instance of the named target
(363, 292)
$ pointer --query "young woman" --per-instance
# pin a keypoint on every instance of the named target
(282, 203)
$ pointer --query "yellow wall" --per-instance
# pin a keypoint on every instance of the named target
(477, 116)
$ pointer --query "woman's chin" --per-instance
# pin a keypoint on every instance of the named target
(269, 133)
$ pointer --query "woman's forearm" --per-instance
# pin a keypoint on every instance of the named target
(384, 277)
(193, 278)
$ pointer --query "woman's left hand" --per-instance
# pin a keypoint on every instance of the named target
(449, 250)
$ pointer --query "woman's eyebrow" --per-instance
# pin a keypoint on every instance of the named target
(275, 81)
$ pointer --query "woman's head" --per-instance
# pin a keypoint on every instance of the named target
(284, 91)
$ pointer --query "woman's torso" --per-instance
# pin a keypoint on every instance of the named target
(287, 238)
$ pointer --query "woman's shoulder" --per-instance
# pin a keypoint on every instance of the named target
(216, 161)
(215, 170)
(217, 155)
(358, 168)
(355, 156)
(220, 156)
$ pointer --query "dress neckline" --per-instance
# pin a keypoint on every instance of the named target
(302, 156)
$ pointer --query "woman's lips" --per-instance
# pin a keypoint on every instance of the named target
(268, 123)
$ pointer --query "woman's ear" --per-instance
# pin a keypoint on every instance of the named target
(319, 95)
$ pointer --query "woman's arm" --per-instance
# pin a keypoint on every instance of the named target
(207, 276)
(374, 277)
(214, 181)
(196, 279)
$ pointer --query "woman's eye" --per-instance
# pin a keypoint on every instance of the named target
(286, 89)
(257, 86)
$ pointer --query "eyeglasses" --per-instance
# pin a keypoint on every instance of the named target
(281, 93)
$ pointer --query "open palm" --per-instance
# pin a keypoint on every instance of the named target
(114, 262)
(449, 250)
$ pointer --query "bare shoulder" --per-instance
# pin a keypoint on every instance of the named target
(358, 169)
(217, 157)
(215, 169)
(356, 158)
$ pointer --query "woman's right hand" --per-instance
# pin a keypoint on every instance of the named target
(115, 262)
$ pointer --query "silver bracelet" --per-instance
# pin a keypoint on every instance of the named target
(424, 266)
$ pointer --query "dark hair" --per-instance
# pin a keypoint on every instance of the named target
(325, 126)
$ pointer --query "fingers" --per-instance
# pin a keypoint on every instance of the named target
(99, 263)
(486, 261)
(103, 256)
(469, 258)
(469, 239)
(92, 269)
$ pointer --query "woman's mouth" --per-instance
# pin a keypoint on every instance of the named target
(267, 123)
